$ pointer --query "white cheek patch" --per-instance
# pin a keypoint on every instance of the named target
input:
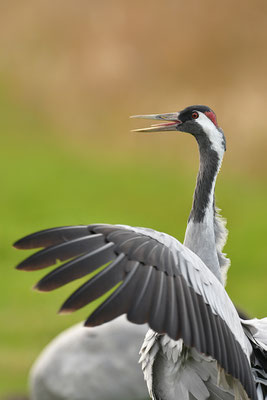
(212, 132)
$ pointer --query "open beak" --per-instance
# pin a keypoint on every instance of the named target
(171, 121)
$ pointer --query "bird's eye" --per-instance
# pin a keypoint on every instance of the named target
(195, 115)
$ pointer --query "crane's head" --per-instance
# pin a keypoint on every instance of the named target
(199, 121)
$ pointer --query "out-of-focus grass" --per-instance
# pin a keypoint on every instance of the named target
(45, 184)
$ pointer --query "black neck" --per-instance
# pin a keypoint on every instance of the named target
(208, 169)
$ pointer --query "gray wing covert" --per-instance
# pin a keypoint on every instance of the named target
(159, 281)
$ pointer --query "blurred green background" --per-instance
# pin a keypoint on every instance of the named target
(70, 75)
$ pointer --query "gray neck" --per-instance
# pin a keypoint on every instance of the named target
(200, 233)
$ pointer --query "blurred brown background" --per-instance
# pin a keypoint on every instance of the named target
(86, 65)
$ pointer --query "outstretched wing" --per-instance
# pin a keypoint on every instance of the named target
(161, 282)
(256, 331)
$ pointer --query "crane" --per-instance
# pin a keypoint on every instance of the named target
(99, 363)
(197, 347)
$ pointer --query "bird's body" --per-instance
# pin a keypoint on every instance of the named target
(82, 364)
(177, 372)
(197, 347)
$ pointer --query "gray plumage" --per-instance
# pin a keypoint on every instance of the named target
(91, 364)
(197, 347)
(221, 234)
